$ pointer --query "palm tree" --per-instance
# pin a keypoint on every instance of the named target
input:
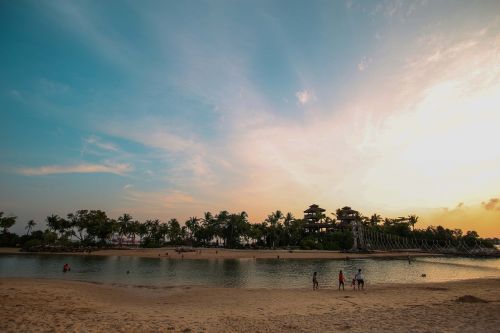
(220, 223)
(53, 222)
(208, 227)
(375, 219)
(30, 226)
(274, 221)
(287, 221)
(192, 225)
(133, 230)
(174, 231)
(123, 223)
(412, 219)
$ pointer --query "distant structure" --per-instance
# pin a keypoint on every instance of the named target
(349, 219)
(315, 220)
(346, 216)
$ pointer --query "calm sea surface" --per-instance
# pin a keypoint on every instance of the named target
(243, 273)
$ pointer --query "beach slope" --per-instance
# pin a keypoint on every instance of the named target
(38, 305)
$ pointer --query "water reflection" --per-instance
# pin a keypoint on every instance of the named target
(246, 273)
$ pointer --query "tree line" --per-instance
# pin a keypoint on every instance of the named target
(225, 229)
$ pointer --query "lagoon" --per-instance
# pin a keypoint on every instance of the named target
(243, 273)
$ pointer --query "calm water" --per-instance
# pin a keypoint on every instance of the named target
(246, 273)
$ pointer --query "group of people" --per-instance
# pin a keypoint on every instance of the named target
(358, 280)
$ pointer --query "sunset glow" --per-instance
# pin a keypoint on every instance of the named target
(171, 110)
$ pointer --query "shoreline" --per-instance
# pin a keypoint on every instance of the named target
(30, 305)
(221, 253)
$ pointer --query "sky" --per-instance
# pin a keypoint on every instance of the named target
(168, 109)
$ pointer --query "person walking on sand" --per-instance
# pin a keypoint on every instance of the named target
(315, 281)
(341, 280)
(360, 279)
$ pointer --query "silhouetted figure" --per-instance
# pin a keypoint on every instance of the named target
(315, 281)
(360, 280)
(341, 280)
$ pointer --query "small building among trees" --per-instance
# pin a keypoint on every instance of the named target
(316, 220)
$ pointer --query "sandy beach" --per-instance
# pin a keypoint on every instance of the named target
(30, 305)
(219, 253)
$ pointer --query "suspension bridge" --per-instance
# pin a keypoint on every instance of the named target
(369, 239)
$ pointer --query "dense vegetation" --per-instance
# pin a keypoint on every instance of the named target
(231, 230)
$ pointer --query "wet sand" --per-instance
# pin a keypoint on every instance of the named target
(38, 305)
(213, 253)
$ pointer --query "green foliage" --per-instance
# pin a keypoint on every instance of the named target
(31, 243)
(232, 230)
(309, 243)
(6, 222)
(49, 237)
(338, 240)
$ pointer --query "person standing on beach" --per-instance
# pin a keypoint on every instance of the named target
(341, 280)
(360, 280)
(315, 281)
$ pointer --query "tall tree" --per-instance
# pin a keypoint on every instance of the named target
(54, 223)
(7, 222)
(193, 226)
(174, 231)
(375, 219)
(274, 220)
(123, 226)
(29, 226)
(412, 220)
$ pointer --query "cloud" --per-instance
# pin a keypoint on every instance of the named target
(399, 143)
(119, 169)
(48, 87)
(398, 9)
(466, 217)
(16, 94)
(156, 201)
(99, 143)
(305, 96)
(492, 204)
(363, 64)
(89, 25)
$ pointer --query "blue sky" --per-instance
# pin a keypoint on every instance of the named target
(168, 109)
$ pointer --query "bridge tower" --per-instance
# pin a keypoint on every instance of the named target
(349, 219)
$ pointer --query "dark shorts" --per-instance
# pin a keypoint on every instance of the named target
(361, 282)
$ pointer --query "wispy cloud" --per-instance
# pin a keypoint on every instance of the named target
(50, 87)
(119, 169)
(163, 204)
(363, 64)
(399, 9)
(466, 217)
(99, 143)
(492, 204)
(89, 24)
(305, 96)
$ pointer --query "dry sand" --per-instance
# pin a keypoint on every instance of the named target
(213, 253)
(29, 305)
